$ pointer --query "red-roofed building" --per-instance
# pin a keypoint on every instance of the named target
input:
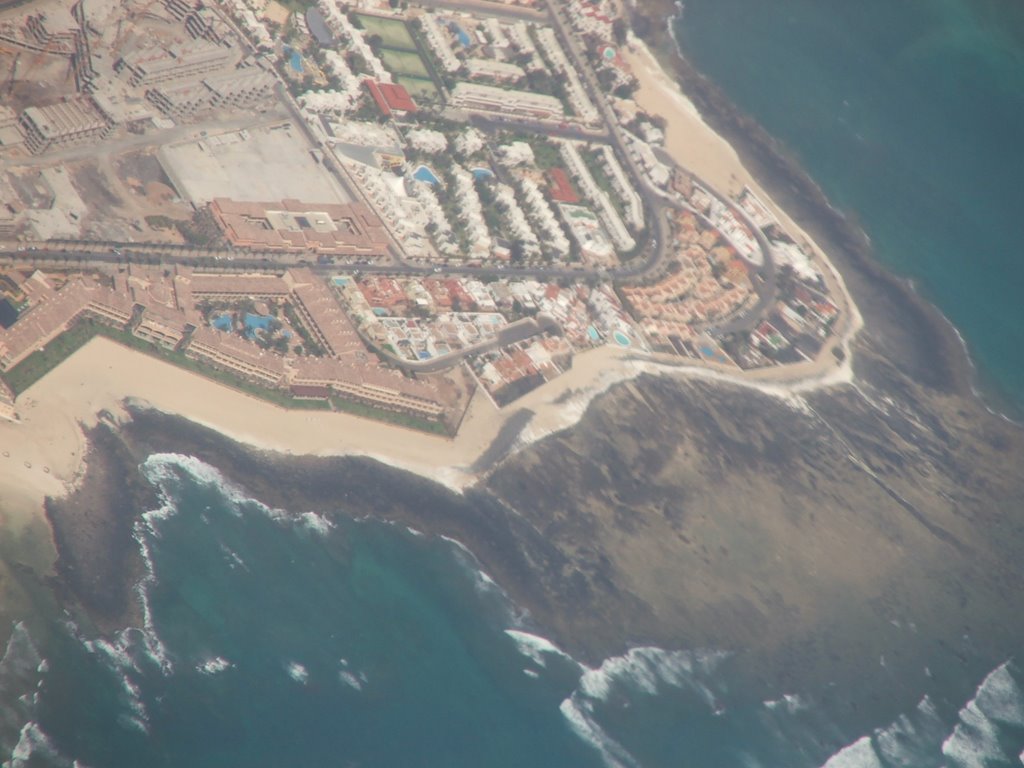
(561, 188)
(391, 99)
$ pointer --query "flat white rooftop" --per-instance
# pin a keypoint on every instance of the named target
(251, 165)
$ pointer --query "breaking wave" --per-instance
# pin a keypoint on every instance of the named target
(989, 731)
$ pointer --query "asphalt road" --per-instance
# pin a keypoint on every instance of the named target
(657, 208)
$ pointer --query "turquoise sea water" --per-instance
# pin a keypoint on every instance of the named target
(909, 114)
(275, 638)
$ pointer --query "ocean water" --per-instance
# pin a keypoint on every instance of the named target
(910, 115)
(275, 637)
(281, 638)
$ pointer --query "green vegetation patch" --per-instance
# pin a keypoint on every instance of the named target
(404, 62)
(389, 417)
(393, 32)
(42, 361)
(420, 88)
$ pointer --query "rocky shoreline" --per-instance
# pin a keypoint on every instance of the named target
(804, 536)
(938, 353)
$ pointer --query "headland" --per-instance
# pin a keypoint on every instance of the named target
(880, 486)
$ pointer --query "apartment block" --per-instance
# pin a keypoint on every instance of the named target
(154, 66)
(63, 124)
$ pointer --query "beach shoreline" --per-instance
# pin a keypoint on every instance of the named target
(942, 356)
(124, 390)
(99, 378)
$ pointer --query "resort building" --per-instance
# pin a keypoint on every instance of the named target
(610, 217)
(161, 309)
(475, 97)
(237, 355)
(580, 102)
(440, 42)
(52, 312)
(293, 226)
(163, 327)
(374, 386)
(491, 69)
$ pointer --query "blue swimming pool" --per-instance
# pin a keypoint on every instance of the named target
(622, 339)
(482, 173)
(340, 281)
(593, 333)
(463, 37)
(254, 323)
(295, 62)
(221, 322)
(423, 173)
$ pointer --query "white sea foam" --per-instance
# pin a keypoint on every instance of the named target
(297, 672)
(912, 738)
(1000, 697)
(583, 724)
(119, 655)
(647, 668)
(481, 579)
(535, 647)
(975, 740)
(790, 703)
(213, 666)
(531, 673)
(154, 646)
(163, 470)
(316, 523)
(32, 740)
(354, 680)
(860, 754)
(234, 559)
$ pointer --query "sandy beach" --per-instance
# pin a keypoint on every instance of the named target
(45, 450)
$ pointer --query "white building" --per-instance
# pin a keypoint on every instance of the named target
(608, 214)
(543, 218)
(426, 140)
(440, 43)
(474, 97)
(471, 212)
(576, 93)
(631, 199)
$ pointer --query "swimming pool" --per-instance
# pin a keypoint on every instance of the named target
(464, 39)
(221, 322)
(423, 173)
(340, 281)
(295, 62)
(482, 173)
(592, 332)
(255, 323)
(622, 339)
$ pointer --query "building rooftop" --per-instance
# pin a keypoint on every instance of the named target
(390, 97)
